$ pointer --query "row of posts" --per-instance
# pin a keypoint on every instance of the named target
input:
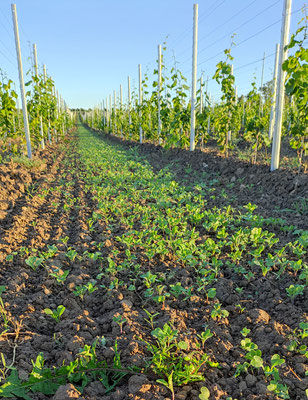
(276, 115)
(60, 103)
(278, 94)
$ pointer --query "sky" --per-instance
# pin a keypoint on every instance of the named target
(90, 47)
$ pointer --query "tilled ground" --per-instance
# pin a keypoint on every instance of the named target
(281, 193)
(52, 206)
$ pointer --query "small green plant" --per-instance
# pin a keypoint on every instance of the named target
(4, 370)
(151, 317)
(217, 313)
(59, 275)
(85, 369)
(112, 267)
(304, 329)
(275, 386)
(210, 294)
(149, 279)
(34, 262)
(295, 290)
(64, 240)
(120, 321)
(90, 286)
(55, 314)
(171, 361)
(71, 254)
(239, 290)
(92, 256)
(253, 355)
(10, 257)
(204, 336)
(240, 308)
(176, 290)
(115, 284)
(245, 332)
(51, 252)
(265, 268)
(80, 291)
(161, 295)
(3, 311)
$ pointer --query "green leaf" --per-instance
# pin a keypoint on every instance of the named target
(204, 393)
(272, 386)
(162, 381)
(170, 382)
(257, 362)
(34, 262)
(245, 331)
(211, 293)
(182, 345)
(60, 310)
(39, 362)
(13, 387)
(276, 360)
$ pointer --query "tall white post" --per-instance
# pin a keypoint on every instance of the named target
(37, 75)
(110, 113)
(201, 94)
(273, 106)
(35, 60)
(58, 104)
(103, 111)
(21, 81)
(115, 110)
(107, 113)
(64, 123)
(209, 125)
(104, 114)
(45, 81)
(60, 109)
(129, 107)
(158, 94)
(56, 113)
(243, 113)
(63, 127)
(110, 109)
(45, 73)
(229, 132)
(201, 108)
(262, 76)
(285, 30)
(194, 80)
(105, 105)
(17, 105)
(140, 104)
(121, 103)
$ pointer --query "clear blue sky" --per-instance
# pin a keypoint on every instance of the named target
(90, 47)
